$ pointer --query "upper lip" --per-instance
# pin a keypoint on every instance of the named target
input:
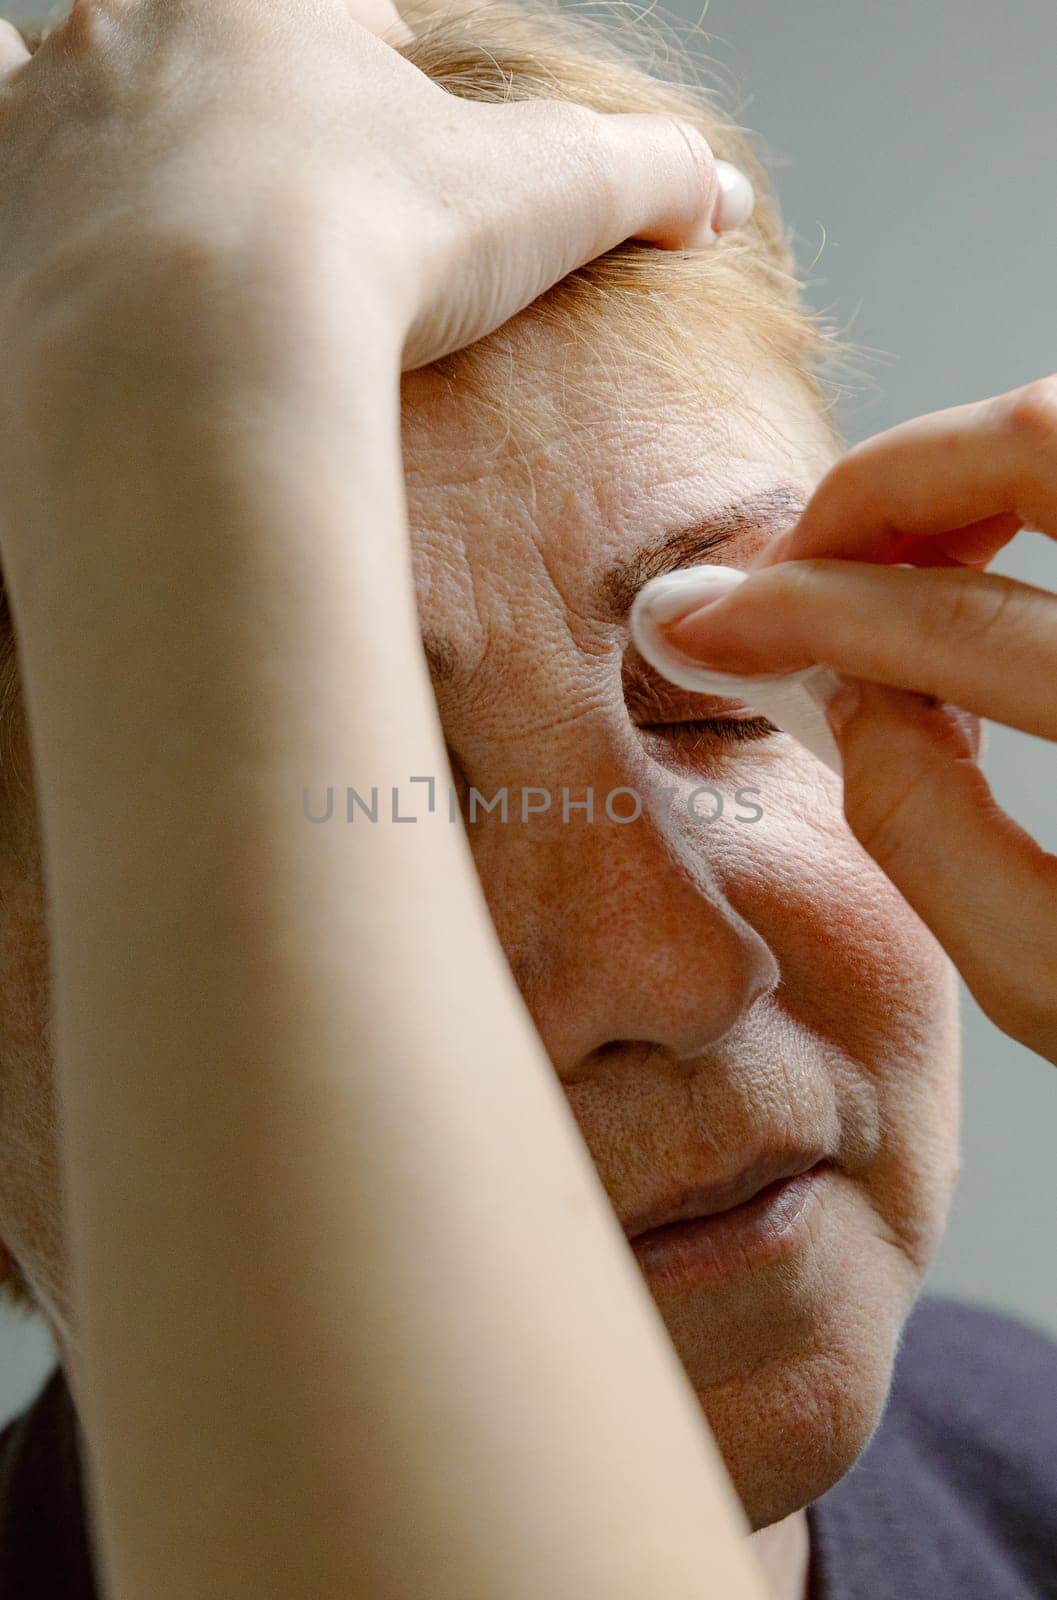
(704, 1200)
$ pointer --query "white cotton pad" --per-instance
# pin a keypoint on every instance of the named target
(793, 701)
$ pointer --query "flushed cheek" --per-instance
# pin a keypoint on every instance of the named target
(855, 957)
(862, 972)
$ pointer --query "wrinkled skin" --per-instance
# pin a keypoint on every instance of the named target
(704, 989)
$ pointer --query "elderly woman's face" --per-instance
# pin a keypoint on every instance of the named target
(723, 977)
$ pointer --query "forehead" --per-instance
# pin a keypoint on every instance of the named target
(538, 512)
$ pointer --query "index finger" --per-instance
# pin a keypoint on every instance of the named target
(946, 489)
(976, 640)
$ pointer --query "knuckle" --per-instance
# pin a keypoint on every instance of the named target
(618, 146)
(599, 152)
(571, 143)
(973, 609)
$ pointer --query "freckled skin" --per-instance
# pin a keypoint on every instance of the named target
(704, 989)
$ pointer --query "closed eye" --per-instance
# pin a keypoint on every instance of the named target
(725, 730)
(659, 709)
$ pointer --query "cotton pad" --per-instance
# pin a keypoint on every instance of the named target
(793, 701)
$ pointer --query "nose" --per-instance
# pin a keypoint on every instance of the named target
(642, 945)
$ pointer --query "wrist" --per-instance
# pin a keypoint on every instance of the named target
(192, 406)
(175, 323)
(169, 505)
(218, 274)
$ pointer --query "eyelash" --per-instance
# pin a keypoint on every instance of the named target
(727, 730)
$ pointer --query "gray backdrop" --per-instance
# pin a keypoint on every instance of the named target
(915, 150)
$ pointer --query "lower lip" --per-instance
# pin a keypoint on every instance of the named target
(702, 1251)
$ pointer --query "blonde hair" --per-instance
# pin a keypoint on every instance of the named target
(652, 301)
(503, 50)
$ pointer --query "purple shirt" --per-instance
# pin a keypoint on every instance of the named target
(954, 1498)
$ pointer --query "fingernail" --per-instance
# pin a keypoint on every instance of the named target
(733, 206)
(736, 198)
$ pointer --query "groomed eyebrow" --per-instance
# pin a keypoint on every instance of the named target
(771, 511)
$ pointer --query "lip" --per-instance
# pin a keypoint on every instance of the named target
(707, 1200)
(697, 1252)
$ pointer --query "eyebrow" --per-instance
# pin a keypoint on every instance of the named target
(772, 511)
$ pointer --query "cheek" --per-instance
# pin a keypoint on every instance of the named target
(862, 972)
(856, 956)
(862, 960)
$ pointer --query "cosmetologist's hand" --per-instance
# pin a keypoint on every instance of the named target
(944, 493)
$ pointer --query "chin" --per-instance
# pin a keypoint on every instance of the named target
(792, 1369)
(798, 1429)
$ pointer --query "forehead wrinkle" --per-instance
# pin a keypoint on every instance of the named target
(771, 510)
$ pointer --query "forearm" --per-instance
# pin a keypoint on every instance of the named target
(354, 1315)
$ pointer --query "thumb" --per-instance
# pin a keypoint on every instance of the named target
(919, 804)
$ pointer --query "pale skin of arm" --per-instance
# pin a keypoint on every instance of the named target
(354, 1315)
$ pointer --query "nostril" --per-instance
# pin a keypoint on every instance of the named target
(765, 977)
